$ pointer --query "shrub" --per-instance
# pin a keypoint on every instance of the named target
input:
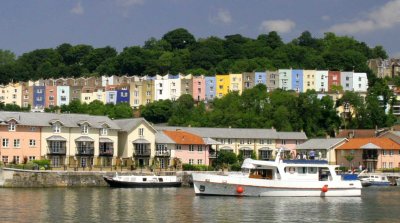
(236, 167)
(191, 167)
(42, 163)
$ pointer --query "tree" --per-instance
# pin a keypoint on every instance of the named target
(225, 158)
(179, 38)
(6, 57)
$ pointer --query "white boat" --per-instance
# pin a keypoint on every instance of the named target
(142, 181)
(289, 178)
(398, 181)
(374, 180)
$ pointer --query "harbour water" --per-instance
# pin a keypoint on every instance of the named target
(377, 204)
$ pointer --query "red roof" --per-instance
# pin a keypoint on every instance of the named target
(184, 138)
(356, 133)
(362, 143)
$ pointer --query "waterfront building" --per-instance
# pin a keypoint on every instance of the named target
(324, 149)
(285, 79)
(271, 79)
(235, 83)
(86, 95)
(165, 151)
(222, 85)
(51, 96)
(289, 141)
(136, 142)
(309, 80)
(161, 88)
(20, 139)
(174, 87)
(372, 153)
(27, 95)
(199, 88)
(189, 148)
(11, 94)
(297, 80)
(321, 81)
(123, 94)
(360, 82)
(211, 86)
(75, 92)
(111, 94)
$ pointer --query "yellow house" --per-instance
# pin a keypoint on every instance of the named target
(222, 84)
(236, 83)
(136, 142)
(11, 94)
(309, 80)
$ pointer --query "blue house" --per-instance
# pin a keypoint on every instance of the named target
(260, 78)
(123, 96)
(210, 88)
(39, 96)
(297, 80)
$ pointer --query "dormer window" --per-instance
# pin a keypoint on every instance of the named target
(11, 127)
(103, 131)
(56, 128)
(85, 129)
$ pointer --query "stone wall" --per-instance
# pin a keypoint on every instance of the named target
(27, 178)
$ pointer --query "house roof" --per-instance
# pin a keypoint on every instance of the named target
(68, 120)
(291, 135)
(184, 138)
(127, 125)
(370, 143)
(162, 138)
(321, 143)
(214, 133)
(356, 133)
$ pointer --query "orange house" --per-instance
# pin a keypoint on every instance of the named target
(372, 153)
(19, 143)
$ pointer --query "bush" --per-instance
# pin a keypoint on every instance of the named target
(236, 167)
(191, 167)
(42, 163)
(388, 170)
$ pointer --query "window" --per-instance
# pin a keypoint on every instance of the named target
(5, 159)
(148, 93)
(199, 161)
(103, 131)
(16, 159)
(17, 143)
(5, 143)
(283, 142)
(56, 128)
(262, 141)
(249, 141)
(384, 152)
(85, 129)
(347, 78)
(160, 91)
(391, 152)
(141, 131)
(32, 142)
(191, 148)
(384, 164)
(200, 148)
(11, 127)
(191, 161)
(178, 147)
(390, 165)
(31, 158)
(33, 129)
(241, 141)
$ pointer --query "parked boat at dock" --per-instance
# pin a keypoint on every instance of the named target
(278, 178)
(374, 180)
(142, 181)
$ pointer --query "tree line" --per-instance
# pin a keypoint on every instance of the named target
(178, 51)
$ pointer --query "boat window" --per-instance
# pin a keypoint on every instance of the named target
(290, 169)
(144, 179)
(312, 170)
(160, 179)
(302, 170)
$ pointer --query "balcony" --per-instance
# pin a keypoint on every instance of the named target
(212, 154)
(371, 157)
(56, 150)
(85, 151)
(145, 152)
(106, 152)
(163, 153)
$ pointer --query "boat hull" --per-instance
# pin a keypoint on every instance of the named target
(116, 183)
(237, 186)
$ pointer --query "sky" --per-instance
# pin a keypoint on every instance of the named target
(39, 24)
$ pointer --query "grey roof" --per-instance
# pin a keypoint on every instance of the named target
(321, 143)
(291, 135)
(105, 140)
(162, 138)
(397, 133)
(210, 141)
(236, 133)
(127, 125)
(56, 138)
(68, 120)
(140, 141)
(84, 139)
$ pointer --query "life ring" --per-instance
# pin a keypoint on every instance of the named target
(292, 170)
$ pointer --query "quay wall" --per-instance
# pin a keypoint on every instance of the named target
(16, 178)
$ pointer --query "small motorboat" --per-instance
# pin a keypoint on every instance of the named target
(142, 181)
(374, 180)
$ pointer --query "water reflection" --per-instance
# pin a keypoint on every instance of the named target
(180, 204)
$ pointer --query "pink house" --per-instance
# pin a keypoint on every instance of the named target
(199, 88)
(189, 148)
(19, 143)
(51, 96)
